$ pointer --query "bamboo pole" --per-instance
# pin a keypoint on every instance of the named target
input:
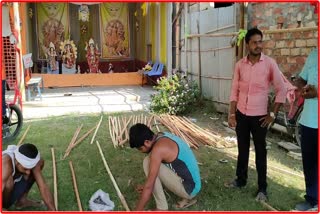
(55, 189)
(75, 135)
(268, 206)
(177, 39)
(177, 16)
(199, 55)
(125, 127)
(221, 28)
(24, 135)
(155, 123)
(289, 30)
(114, 131)
(209, 50)
(149, 121)
(186, 32)
(111, 132)
(95, 132)
(83, 136)
(74, 181)
(123, 201)
(241, 47)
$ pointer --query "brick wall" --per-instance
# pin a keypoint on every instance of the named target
(290, 50)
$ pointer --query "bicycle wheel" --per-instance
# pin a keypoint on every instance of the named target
(13, 128)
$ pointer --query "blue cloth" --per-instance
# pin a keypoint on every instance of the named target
(309, 115)
(185, 165)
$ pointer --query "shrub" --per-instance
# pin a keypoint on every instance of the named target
(176, 95)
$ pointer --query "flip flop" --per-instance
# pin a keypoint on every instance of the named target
(185, 203)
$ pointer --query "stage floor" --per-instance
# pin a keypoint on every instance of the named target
(74, 80)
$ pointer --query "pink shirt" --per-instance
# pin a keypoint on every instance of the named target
(251, 85)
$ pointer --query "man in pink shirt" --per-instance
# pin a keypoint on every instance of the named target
(249, 111)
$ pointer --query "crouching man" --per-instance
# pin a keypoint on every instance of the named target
(170, 162)
(21, 167)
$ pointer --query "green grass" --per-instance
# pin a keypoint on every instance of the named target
(126, 166)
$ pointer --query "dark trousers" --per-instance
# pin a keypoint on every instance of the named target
(309, 150)
(245, 126)
(19, 189)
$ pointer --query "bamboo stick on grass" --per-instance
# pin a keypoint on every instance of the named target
(24, 135)
(75, 135)
(74, 181)
(74, 138)
(268, 206)
(111, 132)
(55, 189)
(95, 132)
(83, 136)
(122, 199)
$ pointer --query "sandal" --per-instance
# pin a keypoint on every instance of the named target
(185, 203)
(233, 184)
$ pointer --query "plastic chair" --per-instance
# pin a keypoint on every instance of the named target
(153, 70)
(153, 75)
(157, 72)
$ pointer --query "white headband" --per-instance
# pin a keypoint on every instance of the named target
(26, 162)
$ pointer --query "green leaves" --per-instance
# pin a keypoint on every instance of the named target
(175, 95)
(242, 33)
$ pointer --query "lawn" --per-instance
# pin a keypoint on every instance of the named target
(284, 190)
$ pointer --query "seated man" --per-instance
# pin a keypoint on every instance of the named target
(170, 162)
(21, 167)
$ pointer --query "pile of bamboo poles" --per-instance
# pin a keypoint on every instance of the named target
(119, 127)
(191, 133)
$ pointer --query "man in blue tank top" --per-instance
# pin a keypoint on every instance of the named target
(170, 162)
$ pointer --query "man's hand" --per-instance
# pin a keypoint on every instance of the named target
(139, 188)
(309, 91)
(232, 120)
(266, 121)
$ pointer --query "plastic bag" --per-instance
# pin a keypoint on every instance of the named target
(100, 201)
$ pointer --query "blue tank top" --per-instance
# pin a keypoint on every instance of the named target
(185, 165)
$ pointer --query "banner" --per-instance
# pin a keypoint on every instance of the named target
(52, 25)
(114, 20)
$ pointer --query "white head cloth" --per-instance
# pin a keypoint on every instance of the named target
(25, 161)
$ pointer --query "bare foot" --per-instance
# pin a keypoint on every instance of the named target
(184, 203)
(28, 203)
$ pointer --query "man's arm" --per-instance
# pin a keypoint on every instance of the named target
(6, 171)
(43, 187)
(234, 97)
(310, 92)
(154, 166)
(232, 114)
(280, 91)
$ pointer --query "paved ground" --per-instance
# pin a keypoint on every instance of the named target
(84, 100)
